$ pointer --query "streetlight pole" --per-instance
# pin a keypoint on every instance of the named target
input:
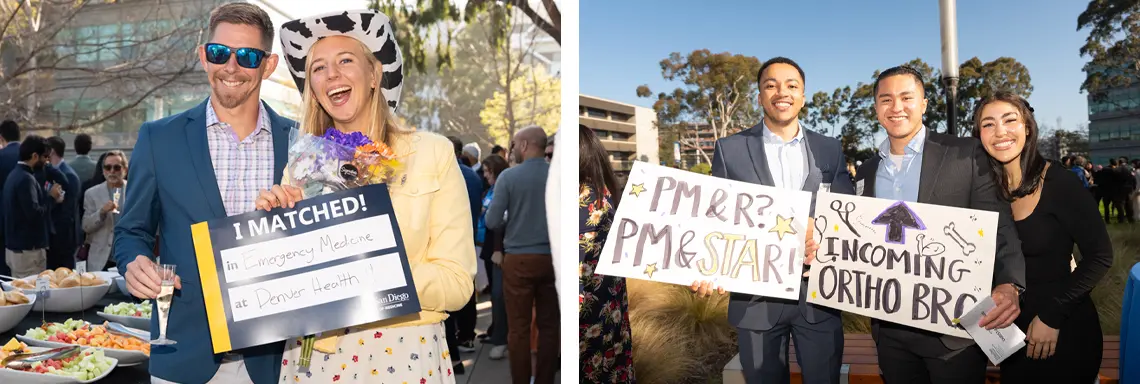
(949, 19)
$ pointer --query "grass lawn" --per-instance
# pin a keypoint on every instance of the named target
(678, 338)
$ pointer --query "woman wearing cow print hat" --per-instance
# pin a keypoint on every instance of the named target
(348, 68)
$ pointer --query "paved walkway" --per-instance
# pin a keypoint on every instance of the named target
(479, 366)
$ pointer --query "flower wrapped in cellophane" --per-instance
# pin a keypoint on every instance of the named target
(331, 163)
(337, 161)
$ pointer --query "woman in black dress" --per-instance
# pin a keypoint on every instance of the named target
(1052, 211)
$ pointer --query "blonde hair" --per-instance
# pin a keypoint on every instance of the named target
(315, 119)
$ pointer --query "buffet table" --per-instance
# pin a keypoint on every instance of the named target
(127, 375)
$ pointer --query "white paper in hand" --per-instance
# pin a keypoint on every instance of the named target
(999, 343)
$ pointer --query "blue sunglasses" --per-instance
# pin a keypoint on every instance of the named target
(246, 57)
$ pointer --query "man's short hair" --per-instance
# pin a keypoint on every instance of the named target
(498, 149)
(243, 14)
(82, 144)
(779, 60)
(32, 145)
(896, 71)
(10, 131)
(457, 144)
(57, 145)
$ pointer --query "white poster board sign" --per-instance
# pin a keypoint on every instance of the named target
(678, 227)
(914, 264)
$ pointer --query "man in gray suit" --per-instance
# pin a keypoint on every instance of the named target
(780, 152)
(922, 166)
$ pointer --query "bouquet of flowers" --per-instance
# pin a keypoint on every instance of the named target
(331, 163)
(338, 161)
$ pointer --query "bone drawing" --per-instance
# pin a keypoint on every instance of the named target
(967, 247)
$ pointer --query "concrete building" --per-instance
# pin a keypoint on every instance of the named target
(174, 30)
(626, 131)
(1114, 125)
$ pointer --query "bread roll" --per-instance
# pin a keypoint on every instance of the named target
(23, 284)
(16, 297)
(50, 274)
(3, 302)
(70, 281)
(89, 279)
(62, 273)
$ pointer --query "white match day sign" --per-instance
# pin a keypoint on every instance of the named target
(914, 264)
(678, 227)
(332, 261)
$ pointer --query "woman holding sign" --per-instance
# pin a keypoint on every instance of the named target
(1052, 211)
(348, 66)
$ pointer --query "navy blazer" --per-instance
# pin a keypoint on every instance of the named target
(26, 206)
(64, 214)
(741, 157)
(173, 186)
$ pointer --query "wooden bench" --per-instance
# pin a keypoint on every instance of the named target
(861, 363)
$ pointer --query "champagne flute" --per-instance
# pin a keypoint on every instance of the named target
(115, 197)
(165, 296)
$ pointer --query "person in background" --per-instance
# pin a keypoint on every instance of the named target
(9, 155)
(83, 165)
(1106, 187)
(1052, 209)
(1127, 182)
(26, 208)
(460, 324)
(99, 206)
(472, 150)
(499, 151)
(528, 273)
(492, 255)
(549, 152)
(603, 305)
(64, 215)
(1073, 165)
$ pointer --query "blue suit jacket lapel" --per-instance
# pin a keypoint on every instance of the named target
(759, 159)
(814, 174)
(281, 128)
(200, 158)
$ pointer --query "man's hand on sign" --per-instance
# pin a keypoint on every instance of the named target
(278, 196)
(143, 281)
(811, 246)
(705, 288)
(1040, 340)
(1006, 308)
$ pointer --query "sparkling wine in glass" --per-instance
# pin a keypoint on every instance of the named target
(115, 196)
(165, 296)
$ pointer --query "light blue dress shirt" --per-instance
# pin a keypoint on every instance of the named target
(787, 160)
(900, 181)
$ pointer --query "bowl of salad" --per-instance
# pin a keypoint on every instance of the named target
(88, 366)
(132, 315)
(127, 350)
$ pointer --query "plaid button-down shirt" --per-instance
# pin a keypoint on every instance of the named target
(244, 168)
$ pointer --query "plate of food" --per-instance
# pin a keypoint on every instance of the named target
(14, 305)
(127, 350)
(67, 291)
(88, 366)
(133, 315)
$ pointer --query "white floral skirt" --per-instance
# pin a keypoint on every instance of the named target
(400, 355)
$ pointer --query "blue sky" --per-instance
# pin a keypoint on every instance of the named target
(836, 42)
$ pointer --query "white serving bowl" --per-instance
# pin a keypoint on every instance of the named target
(142, 323)
(13, 376)
(125, 357)
(10, 315)
(74, 299)
(121, 285)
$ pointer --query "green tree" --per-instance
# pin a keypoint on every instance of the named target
(535, 98)
(719, 89)
(428, 25)
(1113, 45)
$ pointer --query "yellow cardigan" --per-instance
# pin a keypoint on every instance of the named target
(432, 209)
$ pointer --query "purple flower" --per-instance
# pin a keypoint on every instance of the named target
(343, 145)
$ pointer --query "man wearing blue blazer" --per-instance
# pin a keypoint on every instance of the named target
(208, 162)
(9, 155)
(780, 152)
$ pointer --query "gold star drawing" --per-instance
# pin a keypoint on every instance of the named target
(637, 189)
(649, 269)
(813, 294)
(980, 233)
(836, 227)
(783, 226)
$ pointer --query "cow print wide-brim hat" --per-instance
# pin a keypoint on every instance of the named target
(372, 28)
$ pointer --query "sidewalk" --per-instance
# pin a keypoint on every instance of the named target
(479, 366)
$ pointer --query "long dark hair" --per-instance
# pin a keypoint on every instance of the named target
(496, 164)
(1032, 163)
(594, 169)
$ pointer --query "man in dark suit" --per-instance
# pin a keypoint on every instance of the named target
(61, 251)
(1106, 187)
(9, 155)
(926, 167)
(26, 204)
(780, 152)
